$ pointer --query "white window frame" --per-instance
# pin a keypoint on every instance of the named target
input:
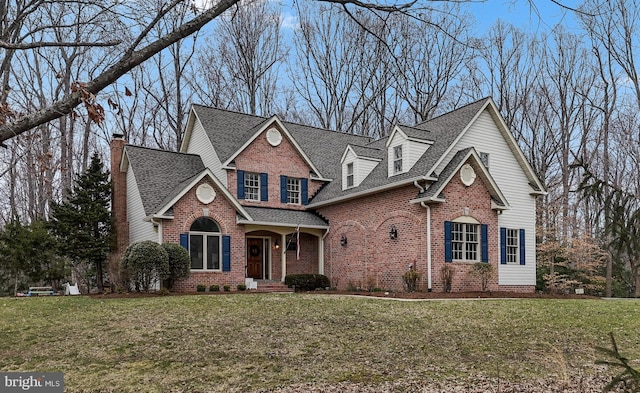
(350, 176)
(294, 191)
(397, 159)
(252, 186)
(512, 245)
(465, 242)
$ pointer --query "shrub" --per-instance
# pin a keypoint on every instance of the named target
(410, 279)
(214, 288)
(179, 262)
(306, 282)
(226, 288)
(484, 272)
(241, 287)
(201, 287)
(446, 274)
(143, 264)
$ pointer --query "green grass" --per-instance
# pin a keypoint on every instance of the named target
(249, 342)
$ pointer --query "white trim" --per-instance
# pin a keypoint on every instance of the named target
(511, 142)
(223, 189)
(373, 190)
(279, 224)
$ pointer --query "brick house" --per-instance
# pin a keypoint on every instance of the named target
(258, 198)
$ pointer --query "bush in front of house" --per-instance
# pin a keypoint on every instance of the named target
(201, 288)
(214, 288)
(241, 287)
(144, 263)
(179, 263)
(306, 282)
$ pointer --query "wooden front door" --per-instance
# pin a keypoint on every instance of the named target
(255, 257)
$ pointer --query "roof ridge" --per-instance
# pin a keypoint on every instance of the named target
(230, 111)
(160, 150)
(451, 111)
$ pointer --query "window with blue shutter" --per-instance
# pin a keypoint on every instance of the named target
(184, 240)
(283, 189)
(304, 189)
(448, 254)
(240, 184)
(522, 250)
(484, 243)
(264, 187)
(226, 253)
(503, 246)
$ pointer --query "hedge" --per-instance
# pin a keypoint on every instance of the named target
(306, 282)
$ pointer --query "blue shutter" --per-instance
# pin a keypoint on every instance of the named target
(448, 253)
(240, 184)
(184, 240)
(522, 247)
(503, 246)
(304, 189)
(226, 253)
(283, 189)
(484, 243)
(264, 187)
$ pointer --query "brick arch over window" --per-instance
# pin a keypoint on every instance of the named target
(192, 218)
(208, 248)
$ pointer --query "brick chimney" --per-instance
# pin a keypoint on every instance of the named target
(118, 207)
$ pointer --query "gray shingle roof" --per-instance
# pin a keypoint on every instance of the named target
(283, 217)
(161, 174)
(228, 131)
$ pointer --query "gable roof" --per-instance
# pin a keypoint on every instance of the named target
(434, 191)
(159, 173)
(163, 177)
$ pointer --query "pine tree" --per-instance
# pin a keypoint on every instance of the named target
(83, 223)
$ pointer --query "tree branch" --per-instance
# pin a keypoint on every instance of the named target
(42, 44)
(127, 62)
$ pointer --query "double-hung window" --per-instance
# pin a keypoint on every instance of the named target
(252, 186)
(293, 191)
(465, 241)
(397, 159)
(512, 246)
(350, 175)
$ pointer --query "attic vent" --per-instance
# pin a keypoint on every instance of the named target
(274, 137)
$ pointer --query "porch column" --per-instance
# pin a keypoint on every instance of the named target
(320, 255)
(283, 241)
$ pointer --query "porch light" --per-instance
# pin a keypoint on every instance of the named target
(276, 245)
(393, 232)
(343, 240)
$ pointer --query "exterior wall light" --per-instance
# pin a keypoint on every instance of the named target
(343, 240)
(393, 232)
(276, 245)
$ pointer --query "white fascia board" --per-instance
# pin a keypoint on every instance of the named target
(346, 150)
(225, 192)
(267, 124)
(369, 191)
(393, 133)
(281, 224)
(188, 129)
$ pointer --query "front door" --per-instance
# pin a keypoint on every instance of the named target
(255, 258)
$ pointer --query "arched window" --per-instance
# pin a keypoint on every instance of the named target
(204, 244)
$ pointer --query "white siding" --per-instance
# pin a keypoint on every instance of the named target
(139, 229)
(512, 181)
(362, 167)
(415, 151)
(200, 144)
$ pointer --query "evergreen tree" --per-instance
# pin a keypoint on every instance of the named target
(83, 223)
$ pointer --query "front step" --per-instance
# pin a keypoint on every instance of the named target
(272, 286)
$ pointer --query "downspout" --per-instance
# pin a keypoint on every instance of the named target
(321, 253)
(429, 287)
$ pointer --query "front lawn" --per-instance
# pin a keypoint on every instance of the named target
(251, 342)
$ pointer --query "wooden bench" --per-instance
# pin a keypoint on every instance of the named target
(40, 291)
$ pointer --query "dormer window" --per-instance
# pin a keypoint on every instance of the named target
(350, 175)
(397, 159)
